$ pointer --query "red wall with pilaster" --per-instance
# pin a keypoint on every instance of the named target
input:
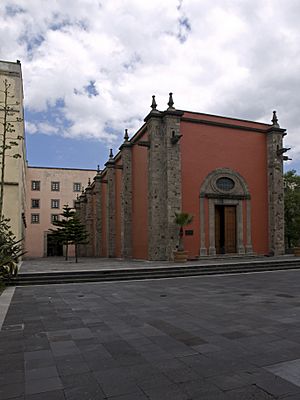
(104, 230)
(118, 190)
(205, 148)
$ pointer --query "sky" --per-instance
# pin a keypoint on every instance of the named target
(90, 68)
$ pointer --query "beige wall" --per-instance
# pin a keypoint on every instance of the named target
(15, 169)
(36, 244)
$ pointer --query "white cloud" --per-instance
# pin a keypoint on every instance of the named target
(226, 57)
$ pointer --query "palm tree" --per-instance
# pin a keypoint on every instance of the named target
(182, 219)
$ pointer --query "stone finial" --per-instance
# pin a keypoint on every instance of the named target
(89, 182)
(126, 137)
(153, 105)
(98, 170)
(275, 119)
(82, 190)
(171, 102)
(111, 156)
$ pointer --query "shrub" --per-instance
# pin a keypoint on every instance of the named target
(10, 251)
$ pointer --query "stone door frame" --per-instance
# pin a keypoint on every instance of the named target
(233, 197)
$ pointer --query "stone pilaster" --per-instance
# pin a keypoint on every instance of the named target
(275, 188)
(157, 195)
(98, 214)
(126, 210)
(171, 130)
(164, 180)
(111, 207)
(89, 221)
(82, 216)
(203, 249)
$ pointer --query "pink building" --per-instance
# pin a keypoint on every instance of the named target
(47, 191)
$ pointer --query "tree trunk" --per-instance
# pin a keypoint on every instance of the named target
(67, 249)
(76, 252)
(180, 244)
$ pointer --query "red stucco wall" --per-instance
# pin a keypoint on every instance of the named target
(205, 148)
(104, 230)
(118, 190)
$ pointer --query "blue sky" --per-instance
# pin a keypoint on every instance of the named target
(90, 70)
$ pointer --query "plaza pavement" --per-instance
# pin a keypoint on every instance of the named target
(55, 264)
(233, 337)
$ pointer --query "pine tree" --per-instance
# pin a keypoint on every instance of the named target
(69, 230)
(79, 234)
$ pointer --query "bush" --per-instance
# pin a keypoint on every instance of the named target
(10, 251)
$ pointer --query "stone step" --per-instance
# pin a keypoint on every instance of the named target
(151, 273)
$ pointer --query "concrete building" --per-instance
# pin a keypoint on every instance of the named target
(226, 172)
(48, 190)
(14, 197)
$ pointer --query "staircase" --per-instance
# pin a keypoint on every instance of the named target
(172, 271)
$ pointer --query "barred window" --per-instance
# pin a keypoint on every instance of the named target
(35, 185)
(76, 187)
(35, 203)
(54, 203)
(35, 218)
(54, 217)
(55, 186)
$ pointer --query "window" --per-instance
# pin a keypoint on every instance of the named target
(35, 218)
(76, 187)
(54, 217)
(35, 203)
(225, 184)
(55, 186)
(54, 203)
(35, 185)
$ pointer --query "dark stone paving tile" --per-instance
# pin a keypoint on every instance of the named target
(84, 393)
(52, 395)
(12, 377)
(42, 385)
(41, 373)
(37, 355)
(11, 390)
(71, 365)
(64, 348)
(39, 363)
(172, 392)
(153, 380)
(131, 396)
(248, 393)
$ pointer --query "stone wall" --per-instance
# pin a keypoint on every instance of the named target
(276, 189)
(126, 195)
(164, 181)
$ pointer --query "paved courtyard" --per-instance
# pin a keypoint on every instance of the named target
(221, 337)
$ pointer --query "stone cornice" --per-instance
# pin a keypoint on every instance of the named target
(227, 125)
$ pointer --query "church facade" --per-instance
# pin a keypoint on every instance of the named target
(226, 172)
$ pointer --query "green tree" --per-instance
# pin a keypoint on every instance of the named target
(69, 230)
(292, 208)
(78, 235)
(182, 219)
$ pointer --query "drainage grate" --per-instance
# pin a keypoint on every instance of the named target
(13, 328)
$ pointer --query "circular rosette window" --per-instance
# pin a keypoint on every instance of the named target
(225, 184)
